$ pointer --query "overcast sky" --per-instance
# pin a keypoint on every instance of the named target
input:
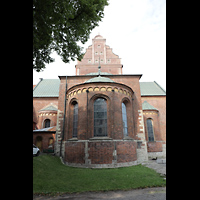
(136, 31)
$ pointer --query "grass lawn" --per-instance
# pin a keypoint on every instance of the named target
(51, 176)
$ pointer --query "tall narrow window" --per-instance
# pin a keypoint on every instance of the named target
(75, 120)
(150, 130)
(47, 123)
(124, 119)
(100, 117)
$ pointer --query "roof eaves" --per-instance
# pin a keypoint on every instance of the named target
(147, 95)
(45, 130)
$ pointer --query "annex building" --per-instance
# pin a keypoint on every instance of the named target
(100, 117)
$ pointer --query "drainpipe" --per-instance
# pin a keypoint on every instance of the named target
(87, 91)
(63, 129)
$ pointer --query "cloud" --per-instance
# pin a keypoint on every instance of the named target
(136, 31)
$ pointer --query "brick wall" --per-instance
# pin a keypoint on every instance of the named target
(154, 147)
(101, 153)
(126, 89)
(159, 102)
(41, 102)
(43, 115)
(74, 152)
(126, 151)
(45, 139)
(109, 61)
(114, 94)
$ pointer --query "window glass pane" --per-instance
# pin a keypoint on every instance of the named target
(75, 120)
(150, 130)
(124, 118)
(100, 117)
(47, 123)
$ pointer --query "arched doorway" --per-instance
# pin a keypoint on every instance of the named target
(39, 142)
(51, 142)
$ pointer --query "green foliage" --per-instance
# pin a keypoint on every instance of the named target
(51, 176)
(59, 24)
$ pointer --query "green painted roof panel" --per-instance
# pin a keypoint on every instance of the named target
(151, 89)
(49, 108)
(50, 87)
(47, 88)
(99, 79)
(101, 73)
(147, 106)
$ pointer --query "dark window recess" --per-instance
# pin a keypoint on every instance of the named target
(150, 130)
(75, 120)
(47, 123)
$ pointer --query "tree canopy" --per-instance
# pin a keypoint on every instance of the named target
(58, 25)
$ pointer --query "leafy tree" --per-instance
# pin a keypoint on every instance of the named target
(59, 24)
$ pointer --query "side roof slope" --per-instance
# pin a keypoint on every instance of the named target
(50, 88)
(47, 88)
(151, 89)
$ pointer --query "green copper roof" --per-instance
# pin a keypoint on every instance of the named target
(101, 73)
(49, 108)
(99, 79)
(50, 87)
(151, 89)
(47, 88)
(147, 106)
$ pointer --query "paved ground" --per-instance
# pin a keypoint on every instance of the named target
(160, 168)
(157, 193)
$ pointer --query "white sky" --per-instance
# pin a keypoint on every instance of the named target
(136, 31)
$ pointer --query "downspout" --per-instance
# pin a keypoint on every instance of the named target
(87, 91)
(63, 129)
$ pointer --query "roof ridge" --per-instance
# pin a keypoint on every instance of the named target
(41, 79)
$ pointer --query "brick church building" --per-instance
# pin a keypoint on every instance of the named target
(100, 117)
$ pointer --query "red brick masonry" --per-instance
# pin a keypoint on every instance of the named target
(88, 153)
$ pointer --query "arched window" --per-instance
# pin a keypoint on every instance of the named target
(46, 123)
(75, 119)
(124, 119)
(150, 129)
(100, 117)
